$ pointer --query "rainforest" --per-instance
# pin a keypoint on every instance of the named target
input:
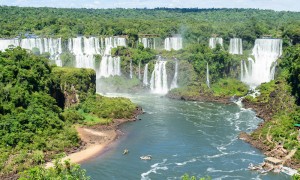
(203, 91)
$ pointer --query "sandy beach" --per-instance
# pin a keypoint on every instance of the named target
(95, 142)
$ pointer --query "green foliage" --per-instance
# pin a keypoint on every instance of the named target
(68, 59)
(229, 87)
(104, 107)
(30, 119)
(36, 51)
(187, 177)
(83, 80)
(290, 64)
(60, 171)
(118, 84)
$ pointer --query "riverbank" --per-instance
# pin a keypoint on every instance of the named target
(275, 136)
(96, 139)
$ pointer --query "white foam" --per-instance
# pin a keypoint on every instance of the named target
(154, 168)
(185, 162)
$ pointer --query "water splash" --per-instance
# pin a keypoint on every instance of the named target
(145, 78)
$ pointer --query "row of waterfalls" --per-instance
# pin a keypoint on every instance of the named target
(261, 66)
(258, 68)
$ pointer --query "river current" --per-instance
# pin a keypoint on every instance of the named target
(197, 138)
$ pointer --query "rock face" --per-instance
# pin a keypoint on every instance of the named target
(72, 85)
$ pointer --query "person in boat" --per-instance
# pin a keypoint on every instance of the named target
(125, 151)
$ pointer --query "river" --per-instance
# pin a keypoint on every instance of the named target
(197, 138)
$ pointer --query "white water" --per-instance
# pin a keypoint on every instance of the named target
(50, 45)
(84, 50)
(145, 79)
(174, 43)
(174, 81)
(158, 82)
(236, 46)
(5, 43)
(214, 41)
(131, 69)
(148, 42)
(207, 76)
(262, 68)
(110, 66)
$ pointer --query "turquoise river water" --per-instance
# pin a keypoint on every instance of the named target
(197, 138)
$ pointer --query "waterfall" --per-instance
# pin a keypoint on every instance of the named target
(110, 66)
(174, 81)
(5, 43)
(50, 45)
(207, 76)
(130, 68)
(158, 82)
(262, 68)
(145, 79)
(236, 46)
(174, 43)
(148, 42)
(84, 50)
(139, 69)
(214, 41)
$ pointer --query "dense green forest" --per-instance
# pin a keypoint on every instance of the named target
(37, 113)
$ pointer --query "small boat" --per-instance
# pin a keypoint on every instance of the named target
(125, 151)
(148, 157)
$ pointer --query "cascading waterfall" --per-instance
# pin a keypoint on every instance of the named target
(145, 78)
(236, 46)
(174, 81)
(131, 69)
(84, 50)
(174, 43)
(50, 45)
(158, 82)
(207, 76)
(214, 41)
(262, 68)
(5, 43)
(110, 66)
(148, 42)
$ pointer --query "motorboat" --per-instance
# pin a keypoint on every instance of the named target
(148, 157)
